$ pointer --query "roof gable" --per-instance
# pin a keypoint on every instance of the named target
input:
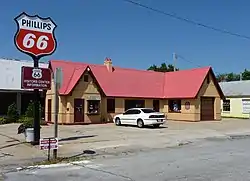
(72, 72)
(184, 83)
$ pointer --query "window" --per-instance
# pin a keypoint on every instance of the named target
(156, 105)
(111, 105)
(174, 105)
(137, 111)
(148, 110)
(93, 107)
(86, 78)
(226, 105)
(129, 111)
(245, 106)
(134, 103)
(132, 111)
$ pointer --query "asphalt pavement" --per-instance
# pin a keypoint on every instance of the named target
(209, 160)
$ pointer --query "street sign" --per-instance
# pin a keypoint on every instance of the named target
(48, 143)
(35, 35)
(36, 78)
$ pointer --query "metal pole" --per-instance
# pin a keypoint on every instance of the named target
(56, 110)
(36, 109)
(49, 151)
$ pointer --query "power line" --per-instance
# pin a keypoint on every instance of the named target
(183, 58)
(187, 60)
(188, 20)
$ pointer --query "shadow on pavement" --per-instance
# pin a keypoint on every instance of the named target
(145, 127)
(77, 137)
(84, 153)
(10, 145)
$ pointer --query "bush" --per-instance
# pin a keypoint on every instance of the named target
(28, 122)
(3, 120)
(30, 110)
(12, 114)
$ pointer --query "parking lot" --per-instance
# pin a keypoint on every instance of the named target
(108, 138)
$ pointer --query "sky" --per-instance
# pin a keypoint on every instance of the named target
(134, 37)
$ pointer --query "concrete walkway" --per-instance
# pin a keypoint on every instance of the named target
(109, 139)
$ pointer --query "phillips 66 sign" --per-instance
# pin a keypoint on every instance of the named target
(35, 35)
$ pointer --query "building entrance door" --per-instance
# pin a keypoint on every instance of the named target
(207, 108)
(78, 110)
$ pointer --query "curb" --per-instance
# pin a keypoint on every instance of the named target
(57, 165)
(239, 136)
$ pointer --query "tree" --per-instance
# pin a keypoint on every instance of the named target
(163, 68)
(233, 76)
(221, 77)
(228, 77)
(246, 75)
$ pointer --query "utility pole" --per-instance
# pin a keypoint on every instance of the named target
(174, 59)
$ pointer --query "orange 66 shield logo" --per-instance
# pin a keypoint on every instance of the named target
(35, 35)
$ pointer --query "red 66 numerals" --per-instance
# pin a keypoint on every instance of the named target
(35, 35)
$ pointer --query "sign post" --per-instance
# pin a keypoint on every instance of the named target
(57, 85)
(35, 37)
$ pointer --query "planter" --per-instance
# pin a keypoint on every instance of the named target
(29, 134)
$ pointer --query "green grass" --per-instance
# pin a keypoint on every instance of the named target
(62, 160)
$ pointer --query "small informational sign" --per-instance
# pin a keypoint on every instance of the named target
(187, 105)
(36, 78)
(94, 97)
(48, 144)
(246, 106)
(35, 35)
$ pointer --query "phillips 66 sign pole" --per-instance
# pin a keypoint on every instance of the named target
(35, 37)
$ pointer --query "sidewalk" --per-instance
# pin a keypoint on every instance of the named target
(110, 139)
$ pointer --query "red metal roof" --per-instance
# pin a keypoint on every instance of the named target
(128, 82)
(184, 83)
(124, 82)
